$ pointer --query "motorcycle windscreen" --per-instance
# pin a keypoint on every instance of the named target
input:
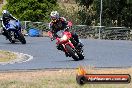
(12, 24)
(60, 33)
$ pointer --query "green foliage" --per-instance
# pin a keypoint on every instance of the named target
(86, 13)
(40, 26)
(86, 3)
(69, 12)
(33, 10)
(115, 12)
(86, 16)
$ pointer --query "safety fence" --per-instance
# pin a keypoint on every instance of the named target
(84, 31)
(97, 32)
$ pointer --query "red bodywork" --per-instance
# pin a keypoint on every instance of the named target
(63, 42)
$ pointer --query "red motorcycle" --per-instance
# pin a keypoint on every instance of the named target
(69, 44)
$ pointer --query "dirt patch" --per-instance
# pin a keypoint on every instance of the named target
(6, 56)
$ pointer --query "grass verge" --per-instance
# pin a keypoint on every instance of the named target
(56, 79)
(6, 56)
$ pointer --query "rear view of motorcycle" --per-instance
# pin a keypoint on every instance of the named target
(69, 45)
(14, 32)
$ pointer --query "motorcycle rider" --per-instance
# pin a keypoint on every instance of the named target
(6, 17)
(59, 23)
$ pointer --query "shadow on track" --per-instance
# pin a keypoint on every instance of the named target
(73, 60)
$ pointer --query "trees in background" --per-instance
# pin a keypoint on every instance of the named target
(33, 10)
(115, 12)
(86, 12)
(1, 1)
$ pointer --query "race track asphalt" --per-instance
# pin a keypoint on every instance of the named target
(98, 53)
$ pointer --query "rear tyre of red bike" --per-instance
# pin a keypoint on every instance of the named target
(81, 55)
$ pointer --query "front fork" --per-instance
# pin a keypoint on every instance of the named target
(73, 42)
(68, 43)
(14, 34)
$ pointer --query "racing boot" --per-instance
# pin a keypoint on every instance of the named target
(78, 41)
(4, 33)
(59, 47)
(80, 44)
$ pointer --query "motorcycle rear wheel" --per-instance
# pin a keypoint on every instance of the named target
(81, 56)
(21, 38)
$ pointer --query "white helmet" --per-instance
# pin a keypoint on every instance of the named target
(54, 14)
(5, 12)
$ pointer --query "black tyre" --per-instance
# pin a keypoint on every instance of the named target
(22, 39)
(12, 41)
(72, 52)
(81, 80)
(81, 56)
(9, 36)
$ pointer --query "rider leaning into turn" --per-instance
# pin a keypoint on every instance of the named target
(6, 17)
(59, 23)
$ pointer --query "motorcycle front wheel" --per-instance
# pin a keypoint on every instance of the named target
(72, 52)
(10, 36)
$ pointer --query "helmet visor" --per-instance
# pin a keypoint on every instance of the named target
(53, 18)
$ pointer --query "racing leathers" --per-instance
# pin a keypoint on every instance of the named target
(61, 24)
(5, 20)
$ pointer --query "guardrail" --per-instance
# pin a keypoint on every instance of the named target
(84, 31)
(97, 32)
